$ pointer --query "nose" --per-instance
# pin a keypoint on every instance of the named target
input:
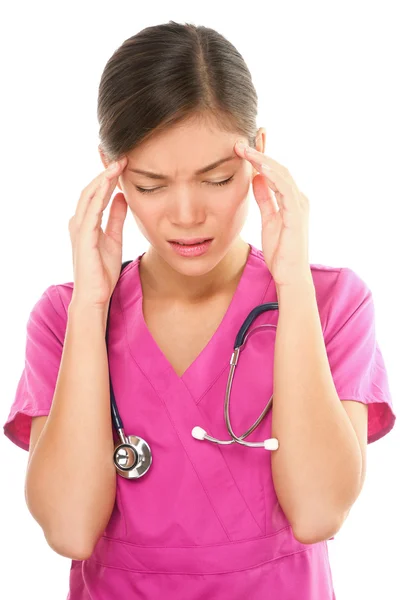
(187, 211)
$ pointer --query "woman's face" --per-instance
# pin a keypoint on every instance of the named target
(183, 204)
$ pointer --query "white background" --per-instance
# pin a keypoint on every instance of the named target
(327, 78)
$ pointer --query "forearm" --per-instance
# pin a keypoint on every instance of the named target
(317, 468)
(70, 482)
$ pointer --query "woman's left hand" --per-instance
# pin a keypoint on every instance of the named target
(284, 229)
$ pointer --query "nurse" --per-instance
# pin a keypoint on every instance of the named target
(206, 521)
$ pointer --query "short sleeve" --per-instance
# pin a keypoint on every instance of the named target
(43, 351)
(354, 355)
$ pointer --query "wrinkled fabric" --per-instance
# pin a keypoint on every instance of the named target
(205, 521)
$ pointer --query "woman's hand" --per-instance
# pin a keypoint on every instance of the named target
(97, 255)
(284, 228)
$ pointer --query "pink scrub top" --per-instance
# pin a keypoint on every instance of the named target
(204, 522)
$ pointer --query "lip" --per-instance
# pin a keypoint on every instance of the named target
(190, 240)
(191, 251)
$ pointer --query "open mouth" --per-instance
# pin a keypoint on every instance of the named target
(196, 249)
(195, 244)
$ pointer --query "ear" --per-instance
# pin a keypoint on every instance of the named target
(260, 144)
(260, 139)
(105, 162)
(103, 157)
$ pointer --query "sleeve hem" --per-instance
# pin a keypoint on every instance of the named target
(380, 428)
(13, 435)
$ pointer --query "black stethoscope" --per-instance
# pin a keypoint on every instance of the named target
(132, 455)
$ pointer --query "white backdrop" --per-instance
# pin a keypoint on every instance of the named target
(327, 79)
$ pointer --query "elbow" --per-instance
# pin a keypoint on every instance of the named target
(74, 550)
(62, 544)
(313, 534)
(314, 530)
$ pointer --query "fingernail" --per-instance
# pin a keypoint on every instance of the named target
(241, 146)
(113, 166)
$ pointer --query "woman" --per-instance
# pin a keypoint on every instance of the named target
(206, 520)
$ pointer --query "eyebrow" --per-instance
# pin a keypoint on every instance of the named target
(209, 167)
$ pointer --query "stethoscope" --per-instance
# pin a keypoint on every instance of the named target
(132, 455)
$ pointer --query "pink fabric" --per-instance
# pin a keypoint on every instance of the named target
(205, 521)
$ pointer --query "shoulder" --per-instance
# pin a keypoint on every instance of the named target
(58, 296)
(342, 296)
(332, 283)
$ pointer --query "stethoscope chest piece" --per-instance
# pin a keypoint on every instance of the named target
(132, 455)
(133, 458)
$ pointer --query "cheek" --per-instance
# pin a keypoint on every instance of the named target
(147, 217)
(141, 208)
(232, 217)
(241, 211)
(236, 199)
(139, 213)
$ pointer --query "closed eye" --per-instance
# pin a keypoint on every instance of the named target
(150, 190)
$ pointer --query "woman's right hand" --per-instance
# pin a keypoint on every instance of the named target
(97, 255)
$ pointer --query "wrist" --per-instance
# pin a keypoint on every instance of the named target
(80, 311)
(300, 286)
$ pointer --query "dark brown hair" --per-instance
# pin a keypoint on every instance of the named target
(167, 74)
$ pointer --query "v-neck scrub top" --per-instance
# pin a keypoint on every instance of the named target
(205, 521)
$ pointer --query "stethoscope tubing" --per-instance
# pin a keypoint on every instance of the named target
(241, 338)
(140, 446)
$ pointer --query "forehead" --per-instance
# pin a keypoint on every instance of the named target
(186, 148)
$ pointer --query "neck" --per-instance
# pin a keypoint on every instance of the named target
(159, 279)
